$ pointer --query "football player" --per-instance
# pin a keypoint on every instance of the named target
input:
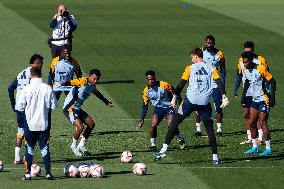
(255, 76)
(62, 68)
(159, 94)
(81, 90)
(18, 84)
(213, 57)
(259, 60)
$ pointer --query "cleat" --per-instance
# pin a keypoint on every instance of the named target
(252, 150)
(219, 135)
(76, 151)
(27, 177)
(18, 162)
(247, 141)
(152, 148)
(197, 134)
(84, 150)
(50, 177)
(266, 152)
(259, 142)
(160, 155)
(217, 162)
(181, 142)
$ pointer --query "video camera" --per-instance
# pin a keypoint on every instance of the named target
(65, 13)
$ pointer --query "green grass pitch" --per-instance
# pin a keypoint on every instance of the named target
(124, 38)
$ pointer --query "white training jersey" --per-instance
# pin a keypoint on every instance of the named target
(200, 82)
(37, 99)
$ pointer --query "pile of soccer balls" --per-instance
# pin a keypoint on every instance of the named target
(84, 170)
(90, 169)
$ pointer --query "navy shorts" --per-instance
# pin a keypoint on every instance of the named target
(162, 112)
(248, 102)
(32, 137)
(217, 98)
(20, 119)
(76, 114)
(260, 106)
(204, 111)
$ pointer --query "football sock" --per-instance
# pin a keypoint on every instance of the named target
(198, 127)
(267, 145)
(178, 118)
(153, 141)
(215, 156)
(28, 158)
(88, 131)
(17, 153)
(260, 134)
(254, 143)
(82, 142)
(249, 134)
(219, 127)
(46, 159)
(210, 133)
(164, 149)
(74, 143)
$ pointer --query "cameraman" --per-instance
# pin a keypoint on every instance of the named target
(63, 24)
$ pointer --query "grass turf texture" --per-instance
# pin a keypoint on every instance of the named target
(124, 39)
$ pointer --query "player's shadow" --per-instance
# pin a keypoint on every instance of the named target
(277, 141)
(276, 130)
(116, 81)
(224, 134)
(201, 146)
(279, 156)
(115, 132)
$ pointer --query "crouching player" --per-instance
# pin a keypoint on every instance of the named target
(261, 100)
(159, 94)
(83, 88)
(200, 78)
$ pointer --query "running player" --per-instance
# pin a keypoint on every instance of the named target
(213, 57)
(255, 76)
(62, 68)
(200, 78)
(159, 94)
(259, 60)
(19, 83)
(81, 90)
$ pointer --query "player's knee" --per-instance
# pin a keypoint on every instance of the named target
(44, 150)
(91, 126)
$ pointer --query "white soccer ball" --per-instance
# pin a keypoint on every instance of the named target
(140, 169)
(35, 170)
(1, 166)
(97, 171)
(84, 170)
(71, 171)
(126, 156)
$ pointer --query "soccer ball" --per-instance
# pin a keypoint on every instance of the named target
(71, 170)
(126, 157)
(35, 170)
(84, 170)
(97, 171)
(139, 169)
(1, 166)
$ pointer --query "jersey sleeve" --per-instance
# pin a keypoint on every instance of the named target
(264, 73)
(145, 98)
(186, 73)
(215, 73)
(262, 61)
(79, 82)
(167, 87)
